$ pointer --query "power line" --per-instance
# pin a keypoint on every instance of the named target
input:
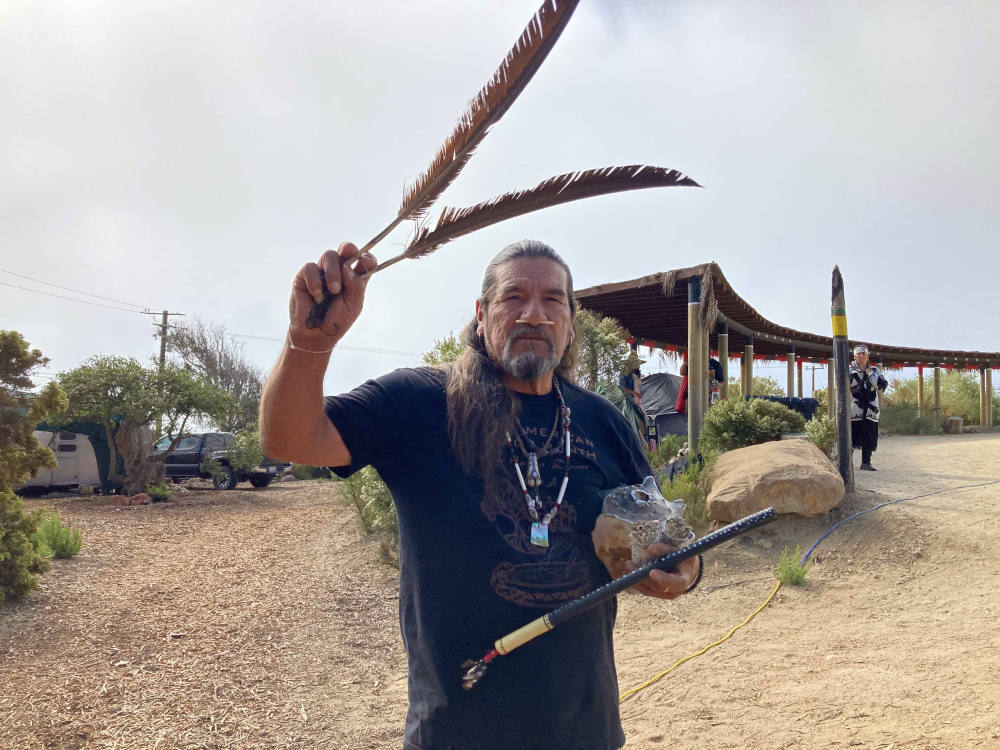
(339, 346)
(66, 288)
(71, 299)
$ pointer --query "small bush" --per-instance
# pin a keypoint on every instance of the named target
(301, 471)
(371, 499)
(63, 541)
(789, 571)
(159, 492)
(213, 468)
(737, 423)
(688, 485)
(20, 561)
(665, 451)
(902, 419)
(822, 432)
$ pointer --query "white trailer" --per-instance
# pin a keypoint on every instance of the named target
(77, 463)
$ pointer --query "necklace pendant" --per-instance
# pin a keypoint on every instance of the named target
(540, 534)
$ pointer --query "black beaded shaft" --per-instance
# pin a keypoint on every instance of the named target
(667, 562)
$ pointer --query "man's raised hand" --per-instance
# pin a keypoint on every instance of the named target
(343, 272)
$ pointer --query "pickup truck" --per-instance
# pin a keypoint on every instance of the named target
(187, 460)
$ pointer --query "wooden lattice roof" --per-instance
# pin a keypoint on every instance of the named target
(654, 310)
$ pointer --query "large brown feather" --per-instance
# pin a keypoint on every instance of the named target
(485, 109)
(454, 222)
(488, 106)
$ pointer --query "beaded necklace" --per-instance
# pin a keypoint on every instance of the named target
(540, 527)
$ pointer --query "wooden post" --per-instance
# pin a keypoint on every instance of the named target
(842, 357)
(982, 396)
(937, 394)
(989, 395)
(696, 383)
(798, 365)
(724, 359)
(920, 390)
(791, 373)
(706, 349)
(831, 401)
(747, 384)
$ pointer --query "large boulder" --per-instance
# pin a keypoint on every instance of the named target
(792, 476)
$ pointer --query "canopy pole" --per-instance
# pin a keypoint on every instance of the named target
(723, 338)
(747, 384)
(920, 390)
(791, 373)
(696, 382)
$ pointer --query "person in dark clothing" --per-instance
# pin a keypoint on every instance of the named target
(866, 382)
(477, 536)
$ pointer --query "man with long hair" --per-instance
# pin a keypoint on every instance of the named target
(496, 465)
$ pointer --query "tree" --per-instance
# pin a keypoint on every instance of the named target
(959, 394)
(603, 349)
(126, 398)
(446, 350)
(21, 456)
(212, 354)
(762, 386)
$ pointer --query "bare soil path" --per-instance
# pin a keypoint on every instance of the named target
(260, 619)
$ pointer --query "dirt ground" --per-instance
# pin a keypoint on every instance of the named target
(261, 619)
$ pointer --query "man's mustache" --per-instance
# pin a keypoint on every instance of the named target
(523, 330)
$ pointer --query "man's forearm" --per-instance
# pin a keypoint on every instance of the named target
(293, 422)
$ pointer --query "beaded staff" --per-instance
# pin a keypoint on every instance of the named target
(475, 670)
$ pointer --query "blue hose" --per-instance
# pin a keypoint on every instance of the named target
(889, 502)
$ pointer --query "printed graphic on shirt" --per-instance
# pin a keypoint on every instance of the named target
(555, 574)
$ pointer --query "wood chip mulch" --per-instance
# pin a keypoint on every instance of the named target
(240, 619)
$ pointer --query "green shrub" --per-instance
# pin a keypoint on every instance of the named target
(902, 419)
(688, 485)
(20, 561)
(789, 571)
(822, 432)
(665, 451)
(213, 468)
(159, 492)
(370, 497)
(63, 541)
(301, 471)
(737, 423)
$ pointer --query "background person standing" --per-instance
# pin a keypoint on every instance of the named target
(866, 382)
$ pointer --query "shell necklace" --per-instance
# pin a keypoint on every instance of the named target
(540, 527)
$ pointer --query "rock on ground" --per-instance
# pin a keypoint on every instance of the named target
(792, 476)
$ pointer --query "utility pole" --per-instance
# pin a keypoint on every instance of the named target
(164, 315)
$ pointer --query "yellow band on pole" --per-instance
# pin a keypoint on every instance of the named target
(840, 325)
(522, 635)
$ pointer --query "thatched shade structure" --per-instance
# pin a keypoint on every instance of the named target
(654, 309)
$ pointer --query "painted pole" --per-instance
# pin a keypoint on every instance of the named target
(841, 358)
(724, 359)
(920, 390)
(791, 373)
(747, 384)
(696, 382)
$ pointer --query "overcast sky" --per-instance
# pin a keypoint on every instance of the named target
(191, 156)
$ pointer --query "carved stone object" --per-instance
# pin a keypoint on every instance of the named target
(632, 518)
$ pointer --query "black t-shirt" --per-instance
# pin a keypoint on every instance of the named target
(469, 574)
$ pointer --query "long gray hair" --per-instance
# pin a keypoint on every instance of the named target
(481, 411)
